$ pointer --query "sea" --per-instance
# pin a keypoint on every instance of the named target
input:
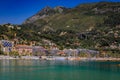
(59, 70)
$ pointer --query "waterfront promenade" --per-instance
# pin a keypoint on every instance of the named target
(61, 58)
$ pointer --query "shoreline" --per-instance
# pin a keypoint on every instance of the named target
(2, 57)
(101, 59)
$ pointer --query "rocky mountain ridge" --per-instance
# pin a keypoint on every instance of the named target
(45, 12)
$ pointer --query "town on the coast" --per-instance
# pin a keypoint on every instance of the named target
(13, 50)
(47, 50)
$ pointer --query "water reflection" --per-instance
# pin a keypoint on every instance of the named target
(58, 70)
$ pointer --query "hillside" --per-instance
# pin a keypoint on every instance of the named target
(93, 26)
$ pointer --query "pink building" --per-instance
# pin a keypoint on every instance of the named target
(24, 49)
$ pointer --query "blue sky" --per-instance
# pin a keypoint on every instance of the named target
(16, 11)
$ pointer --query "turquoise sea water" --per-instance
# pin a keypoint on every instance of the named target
(58, 70)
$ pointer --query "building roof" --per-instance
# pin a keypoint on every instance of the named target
(24, 47)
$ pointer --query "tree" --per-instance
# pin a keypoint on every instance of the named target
(1, 52)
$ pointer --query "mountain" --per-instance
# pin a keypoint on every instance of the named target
(91, 25)
(81, 18)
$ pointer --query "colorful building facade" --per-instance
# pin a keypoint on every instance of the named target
(24, 49)
(6, 46)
